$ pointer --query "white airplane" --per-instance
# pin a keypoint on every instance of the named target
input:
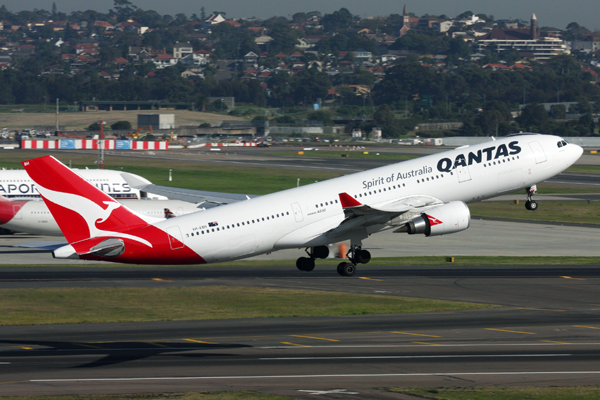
(30, 216)
(17, 185)
(422, 196)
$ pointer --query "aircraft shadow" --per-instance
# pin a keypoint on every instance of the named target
(114, 352)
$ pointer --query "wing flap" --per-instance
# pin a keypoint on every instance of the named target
(360, 215)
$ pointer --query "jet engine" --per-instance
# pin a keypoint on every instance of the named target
(450, 218)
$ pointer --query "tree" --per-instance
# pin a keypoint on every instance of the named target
(533, 116)
(124, 9)
(338, 20)
(121, 125)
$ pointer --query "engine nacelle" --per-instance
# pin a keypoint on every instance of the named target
(449, 218)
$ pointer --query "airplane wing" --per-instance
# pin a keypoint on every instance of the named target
(202, 197)
(362, 215)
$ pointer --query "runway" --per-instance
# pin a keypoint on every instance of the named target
(546, 331)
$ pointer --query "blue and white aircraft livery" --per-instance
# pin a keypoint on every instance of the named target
(425, 196)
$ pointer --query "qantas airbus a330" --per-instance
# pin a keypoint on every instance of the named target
(422, 196)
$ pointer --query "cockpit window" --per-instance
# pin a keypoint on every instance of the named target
(561, 143)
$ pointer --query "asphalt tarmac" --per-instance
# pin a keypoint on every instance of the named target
(546, 332)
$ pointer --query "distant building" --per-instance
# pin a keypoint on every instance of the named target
(527, 41)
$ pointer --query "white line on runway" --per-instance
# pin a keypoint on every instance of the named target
(4, 363)
(415, 357)
(438, 345)
(181, 378)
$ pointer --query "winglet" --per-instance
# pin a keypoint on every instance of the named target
(348, 201)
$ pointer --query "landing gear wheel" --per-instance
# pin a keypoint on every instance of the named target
(531, 205)
(346, 269)
(320, 252)
(305, 264)
(362, 257)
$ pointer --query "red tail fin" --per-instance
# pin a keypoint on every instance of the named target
(80, 209)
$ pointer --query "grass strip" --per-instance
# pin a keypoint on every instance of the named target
(332, 262)
(159, 396)
(97, 305)
(504, 393)
(347, 154)
(584, 169)
(578, 212)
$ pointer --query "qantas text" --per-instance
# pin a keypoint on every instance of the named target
(491, 153)
(447, 165)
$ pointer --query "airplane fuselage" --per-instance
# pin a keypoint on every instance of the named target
(306, 216)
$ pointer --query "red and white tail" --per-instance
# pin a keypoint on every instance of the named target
(80, 209)
(99, 228)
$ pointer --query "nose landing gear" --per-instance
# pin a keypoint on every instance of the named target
(531, 204)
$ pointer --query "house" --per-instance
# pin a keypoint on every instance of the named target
(251, 58)
(121, 63)
(194, 59)
(181, 50)
(296, 56)
(214, 20)
(362, 56)
(263, 40)
(164, 60)
(103, 25)
(303, 44)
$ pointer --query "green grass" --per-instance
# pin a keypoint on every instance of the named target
(545, 188)
(158, 396)
(97, 305)
(578, 212)
(189, 175)
(505, 393)
(584, 169)
(349, 154)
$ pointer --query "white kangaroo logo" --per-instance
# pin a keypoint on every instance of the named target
(91, 212)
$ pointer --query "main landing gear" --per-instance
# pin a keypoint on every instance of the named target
(355, 255)
(531, 204)
(308, 263)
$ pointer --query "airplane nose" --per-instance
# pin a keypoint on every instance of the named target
(577, 152)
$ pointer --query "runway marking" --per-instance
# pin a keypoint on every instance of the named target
(158, 345)
(26, 347)
(314, 337)
(199, 341)
(576, 279)
(86, 345)
(442, 374)
(506, 330)
(584, 326)
(415, 334)
(4, 363)
(335, 391)
(541, 309)
(370, 279)
(296, 344)
(412, 357)
(554, 341)
(428, 344)
(160, 280)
